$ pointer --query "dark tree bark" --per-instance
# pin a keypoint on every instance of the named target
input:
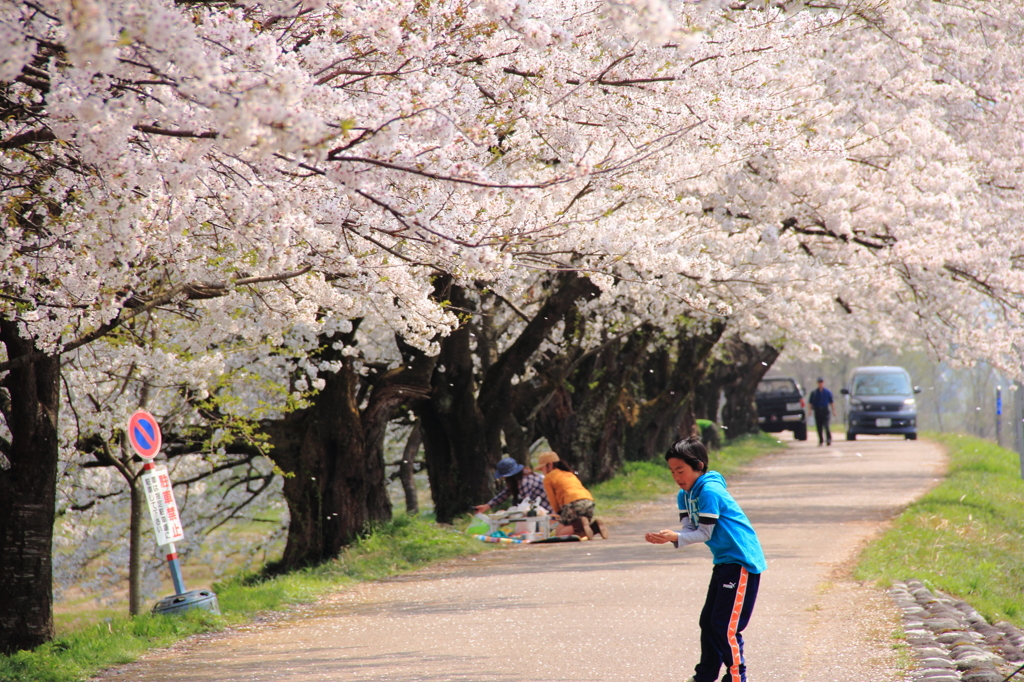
(736, 373)
(462, 423)
(517, 440)
(586, 418)
(626, 403)
(137, 500)
(556, 420)
(27, 495)
(739, 413)
(332, 454)
(708, 395)
(407, 470)
(671, 379)
(454, 437)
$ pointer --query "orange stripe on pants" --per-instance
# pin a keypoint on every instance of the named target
(734, 623)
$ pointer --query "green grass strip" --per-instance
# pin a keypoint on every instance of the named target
(966, 536)
(640, 482)
(741, 451)
(77, 655)
(404, 544)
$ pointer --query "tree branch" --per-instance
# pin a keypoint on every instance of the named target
(154, 130)
(130, 310)
(29, 137)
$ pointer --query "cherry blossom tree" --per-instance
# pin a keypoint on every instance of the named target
(208, 122)
(916, 216)
(277, 169)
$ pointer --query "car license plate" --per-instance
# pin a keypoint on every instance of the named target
(883, 422)
(793, 406)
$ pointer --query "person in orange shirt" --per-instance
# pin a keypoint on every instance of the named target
(573, 503)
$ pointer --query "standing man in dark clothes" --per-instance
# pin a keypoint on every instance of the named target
(821, 401)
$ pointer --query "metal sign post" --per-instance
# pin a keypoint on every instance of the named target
(1018, 422)
(144, 436)
(999, 415)
(166, 522)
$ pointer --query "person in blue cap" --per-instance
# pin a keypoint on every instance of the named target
(519, 485)
(710, 515)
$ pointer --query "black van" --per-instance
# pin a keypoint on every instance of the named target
(780, 406)
(881, 400)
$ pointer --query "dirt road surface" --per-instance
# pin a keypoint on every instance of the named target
(615, 610)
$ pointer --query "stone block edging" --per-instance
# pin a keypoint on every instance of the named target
(952, 642)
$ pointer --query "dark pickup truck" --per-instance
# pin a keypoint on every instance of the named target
(780, 406)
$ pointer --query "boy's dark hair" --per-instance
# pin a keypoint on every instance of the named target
(691, 451)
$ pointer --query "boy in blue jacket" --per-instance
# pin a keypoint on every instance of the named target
(709, 514)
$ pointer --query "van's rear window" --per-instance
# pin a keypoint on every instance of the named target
(777, 387)
(881, 384)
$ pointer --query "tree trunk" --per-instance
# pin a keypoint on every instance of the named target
(407, 470)
(707, 398)
(137, 499)
(709, 393)
(668, 415)
(557, 421)
(462, 426)
(27, 496)
(454, 435)
(586, 424)
(625, 403)
(333, 457)
(739, 372)
(517, 440)
(329, 473)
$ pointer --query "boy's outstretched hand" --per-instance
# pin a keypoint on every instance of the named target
(661, 537)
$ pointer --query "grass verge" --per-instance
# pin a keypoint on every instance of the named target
(741, 451)
(402, 545)
(647, 481)
(965, 536)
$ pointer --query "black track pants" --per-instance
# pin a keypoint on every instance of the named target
(821, 421)
(727, 609)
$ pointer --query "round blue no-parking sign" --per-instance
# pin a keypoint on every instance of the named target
(144, 434)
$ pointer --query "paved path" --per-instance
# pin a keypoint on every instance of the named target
(610, 611)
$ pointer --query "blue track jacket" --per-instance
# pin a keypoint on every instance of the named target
(733, 540)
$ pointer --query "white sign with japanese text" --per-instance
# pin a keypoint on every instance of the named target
(162, 507)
